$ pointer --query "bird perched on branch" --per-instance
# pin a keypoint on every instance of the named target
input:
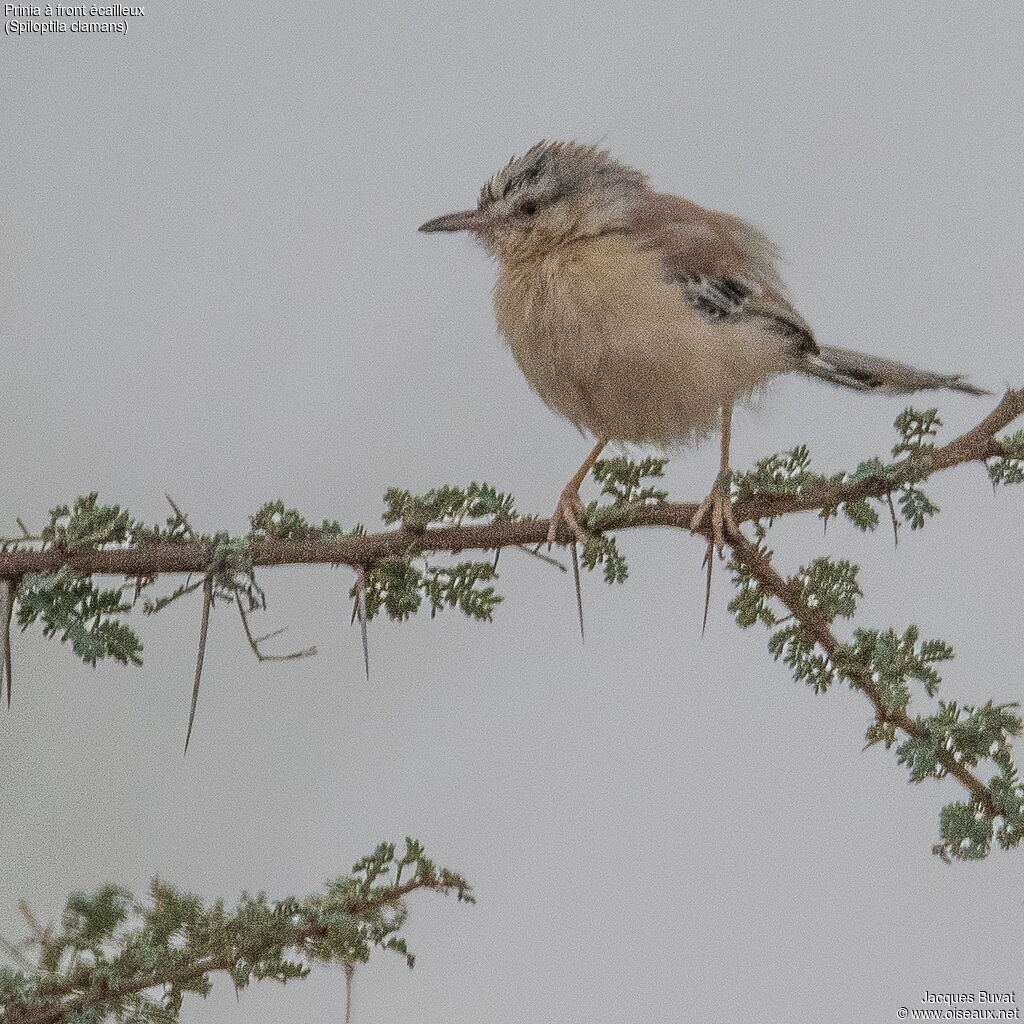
(643, 317)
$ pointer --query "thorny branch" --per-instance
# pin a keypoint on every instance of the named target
(76, 1003)
(66, 1000)
(788, 592)
(976, 445)
(382, 561)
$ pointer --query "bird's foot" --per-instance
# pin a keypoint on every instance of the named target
(718, 504)
(570, 511)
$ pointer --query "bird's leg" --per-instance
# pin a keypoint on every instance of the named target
(719, 502)
(570, 508)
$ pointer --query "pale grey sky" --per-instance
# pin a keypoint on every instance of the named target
(212, 286)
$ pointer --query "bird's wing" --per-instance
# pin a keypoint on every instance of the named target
(724, 266)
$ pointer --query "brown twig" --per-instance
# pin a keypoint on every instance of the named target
(816, 626)
(255, 641)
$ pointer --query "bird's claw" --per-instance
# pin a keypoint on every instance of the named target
(719, 504)
(570, 511)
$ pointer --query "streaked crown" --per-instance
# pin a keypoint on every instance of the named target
(553, 171)
(555, 193)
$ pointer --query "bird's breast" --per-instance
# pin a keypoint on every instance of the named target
(606, 341)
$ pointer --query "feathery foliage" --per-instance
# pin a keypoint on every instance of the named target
(113, 956)
(884, 663)
(401, 572)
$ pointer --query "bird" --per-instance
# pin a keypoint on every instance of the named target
(642, 317)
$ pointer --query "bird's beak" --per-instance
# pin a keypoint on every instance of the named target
(464, 220)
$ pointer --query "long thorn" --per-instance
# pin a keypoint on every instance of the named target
(366, 642)
(349, 971)
(203, 629)
(7, 591)
(709, 561)
(359, 612)
(579, 592)
(895, 521)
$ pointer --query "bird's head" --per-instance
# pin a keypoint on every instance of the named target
(554, 193)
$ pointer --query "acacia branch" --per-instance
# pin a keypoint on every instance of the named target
(976, 445)
(817, 627)
(71, 1000)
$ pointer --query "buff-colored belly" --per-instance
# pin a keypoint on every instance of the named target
(605, 341)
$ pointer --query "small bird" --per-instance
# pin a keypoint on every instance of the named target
(642, 317)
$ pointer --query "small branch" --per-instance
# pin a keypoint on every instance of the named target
(255, 641)
(536, 553)
(788, 592)
(182, 518)
(16, 954)
(977, 445)
(75, 1001)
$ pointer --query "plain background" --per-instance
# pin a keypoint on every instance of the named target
(213, 287)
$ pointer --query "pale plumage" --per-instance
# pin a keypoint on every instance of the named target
(641, 316)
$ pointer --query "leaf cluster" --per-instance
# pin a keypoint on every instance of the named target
(399, 586)
(78, 611)
(115, 957)
(884, 664)
(971, 735)
(448, 506)
(789, 473)
(274, 521)
(627, 483)
(1008, 468)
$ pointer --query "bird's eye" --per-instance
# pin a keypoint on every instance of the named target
(528, 209)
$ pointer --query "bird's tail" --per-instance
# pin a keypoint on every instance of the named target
(870, 373)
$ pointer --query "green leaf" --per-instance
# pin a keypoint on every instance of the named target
(135, 963)
(623, 480)
(831, 587)
(786, 473)
(916, 506)
(1008, 468)
(602, 550)
(916, 430)
(861, 513)
(80, 612)
(448, 506)
(274, 521)
(966, 832)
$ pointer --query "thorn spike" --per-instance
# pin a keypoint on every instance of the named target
(200, 655)
(709, 561)
(579, 591)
